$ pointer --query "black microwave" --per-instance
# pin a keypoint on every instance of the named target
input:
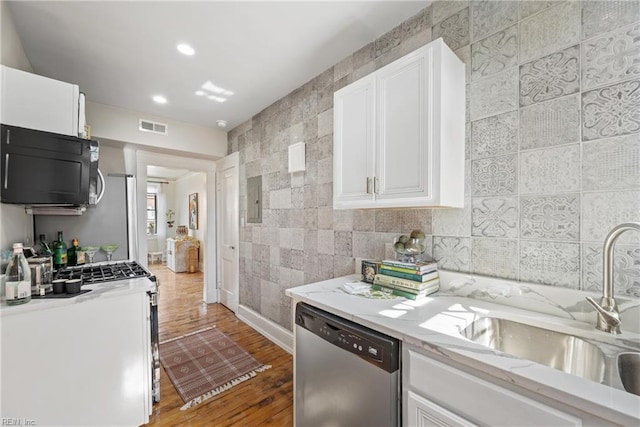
(43, 168)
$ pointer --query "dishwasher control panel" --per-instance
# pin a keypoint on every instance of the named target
(364, 342)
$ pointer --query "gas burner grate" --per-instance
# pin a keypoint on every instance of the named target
(99, 273)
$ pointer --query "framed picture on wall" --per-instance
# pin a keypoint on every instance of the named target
(193, 211)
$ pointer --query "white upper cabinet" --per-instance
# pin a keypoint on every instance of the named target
(399, 134)
(40, 103)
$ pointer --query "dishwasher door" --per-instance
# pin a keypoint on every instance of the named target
(345, 374)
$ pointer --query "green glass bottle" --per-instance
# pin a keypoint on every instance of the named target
(72, 253)
(45, 250)
(59, 252)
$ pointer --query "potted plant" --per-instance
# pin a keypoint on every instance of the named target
(170, 213)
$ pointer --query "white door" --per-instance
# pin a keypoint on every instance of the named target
(403, 156)
(228, 231)
(353, 151)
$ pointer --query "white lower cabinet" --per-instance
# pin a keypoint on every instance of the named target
(437, 394)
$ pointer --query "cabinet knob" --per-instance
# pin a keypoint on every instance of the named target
(230, 247)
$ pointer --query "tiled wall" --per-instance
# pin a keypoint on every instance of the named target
(553, 155)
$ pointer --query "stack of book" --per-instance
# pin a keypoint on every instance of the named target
(409, 280)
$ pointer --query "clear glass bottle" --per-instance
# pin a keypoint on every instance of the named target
(18, 278)
(45, 250)
(59, 252)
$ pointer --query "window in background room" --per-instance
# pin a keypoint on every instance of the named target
(152, 213)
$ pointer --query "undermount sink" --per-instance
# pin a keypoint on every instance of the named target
(560, 351)
(629, 370)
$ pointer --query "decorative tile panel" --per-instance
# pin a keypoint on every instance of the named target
(601, 16)
(611, 57)
(550, 171)
(488, 16)
(494, 94)
(343, 243)
(550, 77)
(528, 8)
(454, 30)
(495, 53)
(464, 54)
(493, 136)
(626, 261)
(603, 211)
(550, 217)
(611, 111)
(388, 41)
(453, 222)
(550, 123)
(452, 253)
(494, 176)
(611, 164)
(495, 217)
(495, 257)
(444, 9)
(550, 263)
(548, 31)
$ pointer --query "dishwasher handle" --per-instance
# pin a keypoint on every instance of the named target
(375, 347)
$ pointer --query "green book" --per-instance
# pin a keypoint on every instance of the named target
(410, 276)
(393, 282)
(420, 267)
(405, 294)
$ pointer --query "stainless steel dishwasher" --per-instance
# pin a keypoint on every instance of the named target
(345, 374)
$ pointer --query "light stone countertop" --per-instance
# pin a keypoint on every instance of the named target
(98, 290)
(434, 324)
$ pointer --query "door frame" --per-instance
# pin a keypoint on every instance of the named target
(234, 160)
(146, 158)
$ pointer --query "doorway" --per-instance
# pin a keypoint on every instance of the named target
(206, 211)
(228, 192)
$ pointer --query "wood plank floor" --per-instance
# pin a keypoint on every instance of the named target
(266, 400)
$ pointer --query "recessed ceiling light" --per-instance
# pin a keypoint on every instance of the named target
(217, 98)
(185, 49)
(200, 93)
(221, 123)
(160, 99)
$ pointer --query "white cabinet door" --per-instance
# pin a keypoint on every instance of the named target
(399, 134)
(423, 413)
(36, 102)
(353, 150)
(403, 149)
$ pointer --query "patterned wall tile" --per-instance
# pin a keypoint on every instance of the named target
(494, 136)
(611, 57)
(453, 222)
(452, 253)
(494, 94)
(467, 141)
(550, 217)
(611, 111)
(488, 16)
(464, 54)
(495, 257)
(549, 171)
(550, 263)
(416, 219)
(326, 242)
(626, 261)
(494, 176)
(444, 9)
(388, 41)
(528, 8)
(550, 123)
(548, 31)
(344, 243)
(454, 30)
(418, 23)
(611, 164)
(601, 16)
(495, 53)
(495, 217)
(364, 220)
(603, 211)
(388, 221)
(550, 77)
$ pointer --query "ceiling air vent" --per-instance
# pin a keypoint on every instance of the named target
(155, 127)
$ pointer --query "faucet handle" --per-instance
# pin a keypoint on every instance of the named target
(608, 316)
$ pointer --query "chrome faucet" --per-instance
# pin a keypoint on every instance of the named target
(608, 315)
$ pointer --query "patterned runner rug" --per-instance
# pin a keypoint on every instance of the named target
(205, 363)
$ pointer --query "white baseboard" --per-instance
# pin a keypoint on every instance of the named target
(280, 336)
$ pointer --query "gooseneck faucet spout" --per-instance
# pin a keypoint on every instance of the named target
(608, 315)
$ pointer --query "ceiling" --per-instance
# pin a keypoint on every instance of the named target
(121, 53)
(166, 174)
